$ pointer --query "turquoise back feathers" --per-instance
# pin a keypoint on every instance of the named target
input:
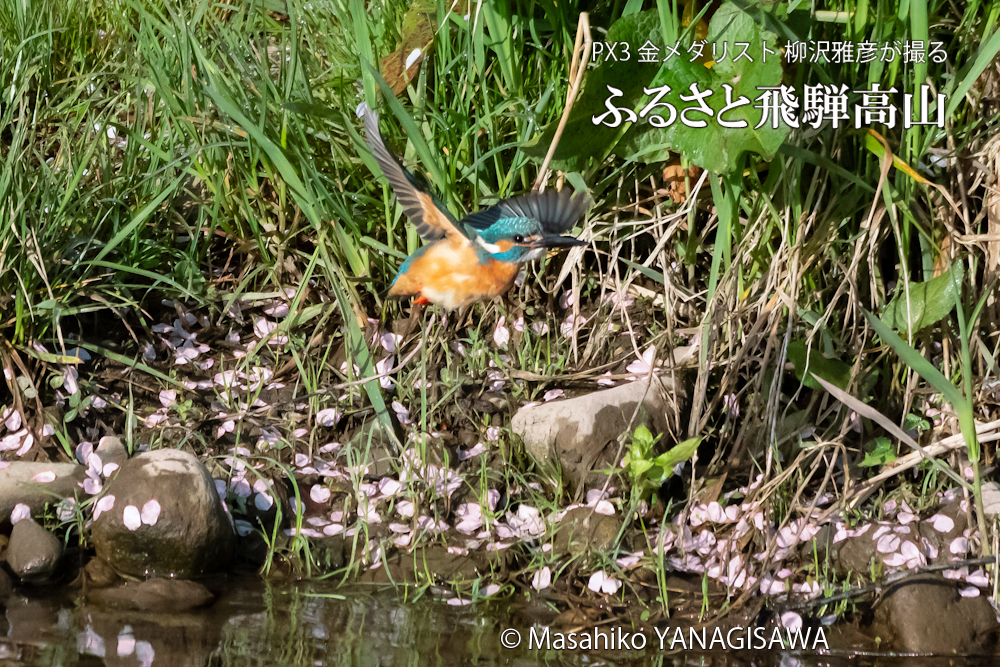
(530, 222)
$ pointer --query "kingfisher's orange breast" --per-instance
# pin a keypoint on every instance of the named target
(451, 275)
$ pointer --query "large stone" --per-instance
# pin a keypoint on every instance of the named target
(165, 519)
(33, 552)
(36, 484)
(583, 530)
(926, 614)
(166, 596)
(581, 434)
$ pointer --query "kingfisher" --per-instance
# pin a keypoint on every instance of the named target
(479, 257)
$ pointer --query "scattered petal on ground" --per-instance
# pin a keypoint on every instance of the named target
(791, 620)
(501, 335)
(601, 582)
(942, 523)
(168, 397)
(328, 417)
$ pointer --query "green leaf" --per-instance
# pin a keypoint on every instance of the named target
(880, 455)
(643, 436)
(929, 302)
(26, 387)
(714, 147)
(679, 453)
(917, 362)
(834, 371)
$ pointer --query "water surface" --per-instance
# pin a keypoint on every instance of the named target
(253, 624)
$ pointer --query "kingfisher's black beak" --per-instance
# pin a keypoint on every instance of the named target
(556, 241)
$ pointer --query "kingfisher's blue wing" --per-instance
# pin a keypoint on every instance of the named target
(429, 216)
(556, 211)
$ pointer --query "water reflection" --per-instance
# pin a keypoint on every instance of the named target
(253, 624)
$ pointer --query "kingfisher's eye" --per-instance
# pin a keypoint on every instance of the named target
(518, 238)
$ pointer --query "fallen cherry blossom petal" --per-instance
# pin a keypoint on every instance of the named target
(131, 518)
(501, 335)
(942, 523)
(978, 578)
(20, 511)
(601, 582)
(791, 620)
(542, 579)
(328, 417)
(320, 494)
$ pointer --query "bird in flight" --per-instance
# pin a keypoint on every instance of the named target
(477, 258)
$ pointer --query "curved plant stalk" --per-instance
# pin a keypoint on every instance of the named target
(960, 401)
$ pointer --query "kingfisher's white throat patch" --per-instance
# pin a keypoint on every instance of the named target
(491, 248)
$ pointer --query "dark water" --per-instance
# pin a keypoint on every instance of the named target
(307, 625)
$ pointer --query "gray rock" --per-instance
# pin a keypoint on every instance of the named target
(21, 482)
(581, 433)
(583, 530)
(991, 498)
(926, 614)
(190, 532)
(33, 552)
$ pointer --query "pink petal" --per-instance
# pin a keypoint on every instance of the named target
(942, 523)
(542, 579)
(150, 512)
(319, 493)
(791, 620)
(20, 511)
(131, 518)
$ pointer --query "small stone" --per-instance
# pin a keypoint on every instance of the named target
(33, 552)
(100, 574)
